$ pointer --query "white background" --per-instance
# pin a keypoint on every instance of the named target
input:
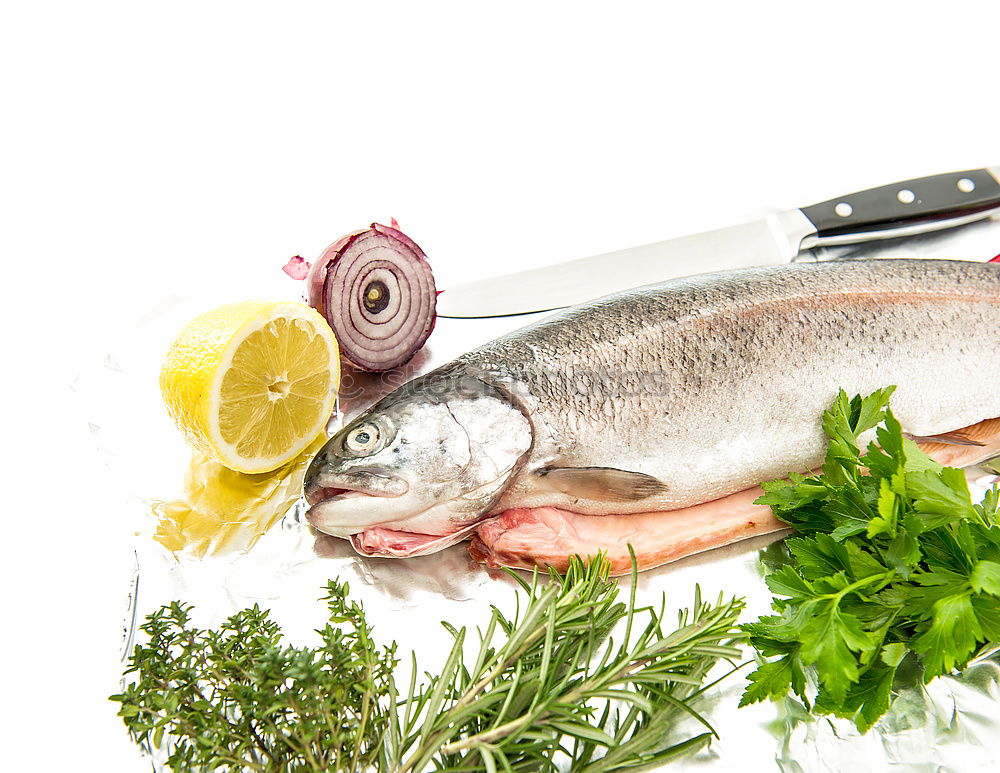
(150, 149)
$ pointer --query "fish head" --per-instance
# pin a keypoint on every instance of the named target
(415, 472)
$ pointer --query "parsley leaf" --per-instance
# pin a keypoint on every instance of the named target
(893, 561)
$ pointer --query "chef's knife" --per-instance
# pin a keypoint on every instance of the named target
(892, 211)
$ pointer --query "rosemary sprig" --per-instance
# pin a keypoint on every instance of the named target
(549, 682)
(556, 682)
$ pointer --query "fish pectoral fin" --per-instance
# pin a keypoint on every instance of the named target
(955, 438)
(602, 483)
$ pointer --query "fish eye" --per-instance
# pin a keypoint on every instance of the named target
(363, 439)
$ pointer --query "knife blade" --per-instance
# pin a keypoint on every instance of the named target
(902, 209)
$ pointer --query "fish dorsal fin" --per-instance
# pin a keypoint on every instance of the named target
(602, 483)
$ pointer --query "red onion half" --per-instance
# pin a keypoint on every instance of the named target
(376, 290)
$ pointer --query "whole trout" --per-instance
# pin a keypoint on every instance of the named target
(665, 397)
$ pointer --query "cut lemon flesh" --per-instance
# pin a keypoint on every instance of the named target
(252, 384)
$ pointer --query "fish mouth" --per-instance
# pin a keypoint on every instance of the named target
(329, 490)
(328, 494)
(337, 486)
(316, 494)
(321, 495)
(320, 498)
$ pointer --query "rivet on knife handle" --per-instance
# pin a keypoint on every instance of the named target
(906, 208)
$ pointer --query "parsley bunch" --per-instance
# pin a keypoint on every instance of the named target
(894, 559)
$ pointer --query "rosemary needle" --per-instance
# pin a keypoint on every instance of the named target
(548, 684)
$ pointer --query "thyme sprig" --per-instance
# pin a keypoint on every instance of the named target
(549, 682)
(236, 699)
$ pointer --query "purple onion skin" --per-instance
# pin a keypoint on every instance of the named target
(389, 336)
(315, 296)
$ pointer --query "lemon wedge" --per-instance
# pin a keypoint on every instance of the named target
(252, 384)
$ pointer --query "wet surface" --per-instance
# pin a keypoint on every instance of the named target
(950, 725)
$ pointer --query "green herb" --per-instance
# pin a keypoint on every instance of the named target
(237, 699)
(894, 558)
(549, 682)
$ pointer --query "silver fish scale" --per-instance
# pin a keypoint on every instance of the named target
(716, 382)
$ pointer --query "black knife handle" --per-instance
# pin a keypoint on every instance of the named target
(940, 197)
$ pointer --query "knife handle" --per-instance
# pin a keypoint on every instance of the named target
(906, 208)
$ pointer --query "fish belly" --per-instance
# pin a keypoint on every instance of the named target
(524, 538)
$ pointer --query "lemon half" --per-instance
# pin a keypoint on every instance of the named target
(252, 384)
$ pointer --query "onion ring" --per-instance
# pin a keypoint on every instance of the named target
(376, 290)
